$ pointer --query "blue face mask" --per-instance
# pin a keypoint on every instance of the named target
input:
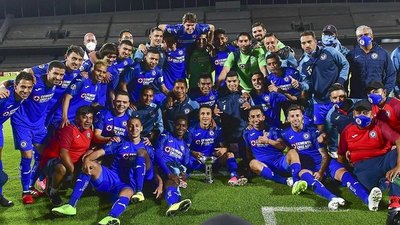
(375, 99)
(362, 121)
(329, 40)
(365, 40)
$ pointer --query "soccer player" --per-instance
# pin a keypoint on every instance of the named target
(206, 141)
(182, 104)
(271, 102)
(111, 122)
(156, 39)
(150, 113)
(145, 73)
(244, 61)
(267, 159)
(199, 61)
(120, 180)
(367, 145)
(82, 91)
(172, 157)
(28, 124)
(383, 107)
(204, 94)
(174, 66)
(17, 93)
(369, 62)
(125, 35)
(62, 156)
(319, 69)
(285, 53)
(188, 32)
(315, 162)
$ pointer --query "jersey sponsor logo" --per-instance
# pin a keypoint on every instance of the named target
(323, 56)
(306, 136)
(374, 55)
(129, 156)
(23, 144)
(372, 134)
(65, 83)
(43, 98)
(89, 97)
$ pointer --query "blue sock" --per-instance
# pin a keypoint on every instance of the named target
(119, 206)
(354, 186)
(232, 166)
(295, 168)
(140, 171)
(25, 170)
(81, 183)
(317, 186)
(35, 169)
(269, 175)
(1, 168)
(172, 195)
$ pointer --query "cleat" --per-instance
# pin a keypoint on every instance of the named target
(289, 181)
(109, 220)
(335, 203)
(64, 210)
(54, 198)
(5, 203)
(138, 197)
(299, 187)
(374, 198)
(27, 198)
(181, 206)
(234, 181)
(36, 193)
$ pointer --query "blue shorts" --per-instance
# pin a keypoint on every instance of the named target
(370, 171)
(109, 182)
(149, 174)
(1, 136)
(25, 137)
(308, 163)
(320, 112)
(278, 165)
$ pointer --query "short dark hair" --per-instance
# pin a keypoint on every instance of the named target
(243, 34)
(270, 35)
(121, 92)
(181, 117)
(231, 74)
(205, 107)
(273, 56)
(293, 107)
(205, 76)
(107, 49)
(257, 107)
(336, 87)
(56, 64)
(219, 31)
(84, 110)
(126, 42)
(259, 24)
(23, 76)
(308, 33)
(145, 88)
(153, 51)
(155, 29)
(181, 81)
(168, 35)
(135, 118)
(74, 48)
(189, 17)
(124, 31)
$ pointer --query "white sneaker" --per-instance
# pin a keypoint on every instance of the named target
(374, 198)
(335, 202)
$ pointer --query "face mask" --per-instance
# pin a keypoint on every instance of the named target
(365, 40)
(362, 121)
(329, 40)
(375, 99)
(91, 46)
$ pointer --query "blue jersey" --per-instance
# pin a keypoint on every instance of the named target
(83, 92)
(171, 150)
(305, 142)
(33, 110)
(110, 124)
(151, 117)
(187, 107)
(9, 105)
(271, 103)
(184, 39)
(174, 67)
(124, 153)
(204, 140)
(136, 77)
(262, 152)
(284, 82)
(208, 99)
(219, 59)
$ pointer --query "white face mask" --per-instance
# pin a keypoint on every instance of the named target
(91, 46)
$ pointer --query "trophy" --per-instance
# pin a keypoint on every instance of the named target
(208, 161)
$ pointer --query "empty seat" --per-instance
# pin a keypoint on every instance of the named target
(383, 19)
(135, 17)
(278, 24)
(79, 30)
(29, 31)
(137, 29)
(227, 15)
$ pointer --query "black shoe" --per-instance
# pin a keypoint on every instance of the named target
(54, 198)
(4, 202)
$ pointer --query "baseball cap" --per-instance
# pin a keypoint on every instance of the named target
(362, 105)
(330, 28)
(374, 85)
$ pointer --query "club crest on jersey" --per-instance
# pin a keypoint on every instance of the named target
(140, 80)
(306, 136)
(187, 111)
(253, 143)
(108, 128)
(372, 134)
(24, 144)
(266, 98)
(125, 63)
(358, 121)
(374, 55)
(180, 52)
(194, 36)
(211, 132)
(88, 135)
(124, 123)
(153, 72)
(182, 148)
(212, 97)
(323, 56)
(167, 149)
(73, 86)
(286, 79)
(242, 66)
(41, 66)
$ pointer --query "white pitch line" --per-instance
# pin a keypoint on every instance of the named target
(269, 212)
